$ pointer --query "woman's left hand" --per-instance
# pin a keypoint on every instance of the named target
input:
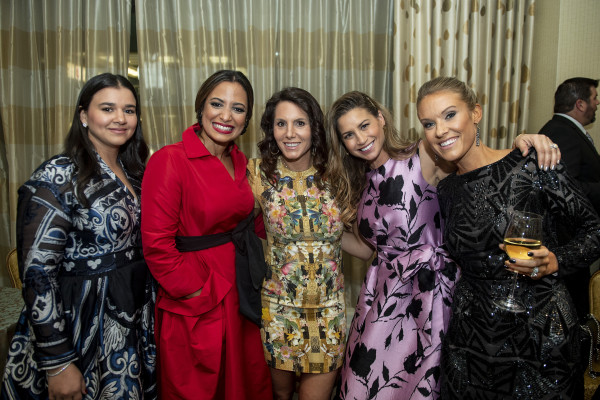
(542, 262)
(548, 153)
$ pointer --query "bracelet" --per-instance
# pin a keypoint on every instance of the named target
(48, 374)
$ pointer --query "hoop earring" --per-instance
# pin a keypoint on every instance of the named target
(273, 153)
(477, 136)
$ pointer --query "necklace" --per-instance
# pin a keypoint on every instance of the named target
(293, 170)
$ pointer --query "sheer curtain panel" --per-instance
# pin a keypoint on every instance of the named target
(49, 49)
(486, 43)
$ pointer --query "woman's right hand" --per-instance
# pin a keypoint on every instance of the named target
(355, 245)
(69, 384)
(542, 261)
(196, 293)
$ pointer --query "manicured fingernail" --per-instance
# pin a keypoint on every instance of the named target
(530, 254)
(546, 168)
(512, 260)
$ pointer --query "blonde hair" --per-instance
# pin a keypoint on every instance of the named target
(346, 173)
(451, 84)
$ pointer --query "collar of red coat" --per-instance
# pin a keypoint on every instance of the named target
(194, 148)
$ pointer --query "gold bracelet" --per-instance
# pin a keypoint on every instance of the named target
(48, 374)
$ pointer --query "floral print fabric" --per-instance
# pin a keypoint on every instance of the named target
(403, 308)
(304, 324)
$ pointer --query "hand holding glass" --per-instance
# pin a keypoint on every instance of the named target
(523, 234)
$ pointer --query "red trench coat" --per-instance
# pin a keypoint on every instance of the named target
(206, 348)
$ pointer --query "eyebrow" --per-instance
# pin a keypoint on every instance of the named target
(447, 108)
(222, 101)
(107, 103)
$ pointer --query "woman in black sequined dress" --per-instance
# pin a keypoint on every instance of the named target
(490, 353)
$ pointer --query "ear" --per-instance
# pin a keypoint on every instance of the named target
(580, 104)
(380, 118)
(83, 116)
(477, 113)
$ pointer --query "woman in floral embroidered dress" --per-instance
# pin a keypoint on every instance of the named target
(304, 325)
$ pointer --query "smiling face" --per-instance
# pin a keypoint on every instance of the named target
(449, 124)
(111, 119)
(291, 130)
(363, 136)
(224, 114)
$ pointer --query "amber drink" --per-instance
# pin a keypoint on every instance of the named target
(519, 247)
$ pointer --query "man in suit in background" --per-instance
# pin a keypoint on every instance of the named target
(575, 104)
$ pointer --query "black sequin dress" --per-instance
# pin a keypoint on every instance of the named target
(490, 353)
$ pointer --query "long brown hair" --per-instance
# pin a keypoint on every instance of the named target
(346, 173)
(81, 150)
(269, 151)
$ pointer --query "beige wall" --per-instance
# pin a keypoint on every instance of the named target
(567, 44)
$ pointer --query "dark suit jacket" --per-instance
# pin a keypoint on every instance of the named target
(579, 155)
(583, 164)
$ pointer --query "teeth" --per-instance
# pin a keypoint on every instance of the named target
(368, 147)
(293, 145)
(223, 127)
(448, 142)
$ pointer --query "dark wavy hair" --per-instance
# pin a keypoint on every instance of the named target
(224, 75)
(269, 151)
(80, 149)
(570, 91)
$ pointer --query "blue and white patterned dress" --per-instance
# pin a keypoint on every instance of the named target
(89, 297)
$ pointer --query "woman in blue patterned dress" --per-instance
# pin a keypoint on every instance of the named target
(87, 327)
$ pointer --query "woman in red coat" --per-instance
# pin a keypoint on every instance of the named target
(194, 188)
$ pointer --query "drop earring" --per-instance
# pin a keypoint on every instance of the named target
(84, 124)
(477, 140)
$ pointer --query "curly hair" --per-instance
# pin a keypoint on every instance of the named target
(346, 173)
(270, 152)
(81, 150)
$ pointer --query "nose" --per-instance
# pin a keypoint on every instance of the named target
(120, 117)
(225, 114)
(440, 129)
(289, 131)
(361, 138)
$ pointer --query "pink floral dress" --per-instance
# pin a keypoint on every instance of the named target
(404, 305)
(304, 323)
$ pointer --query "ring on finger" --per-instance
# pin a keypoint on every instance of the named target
(534, 272)
(554, 146)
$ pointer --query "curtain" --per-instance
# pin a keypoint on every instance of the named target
(49, 49)
(325, 47)
(486, 43)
